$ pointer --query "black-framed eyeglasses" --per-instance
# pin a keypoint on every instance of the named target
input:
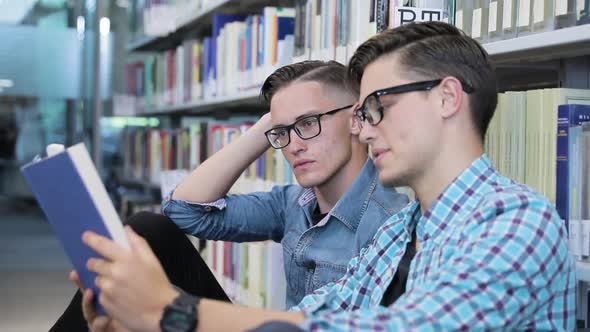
(306, 128)
(371, 110)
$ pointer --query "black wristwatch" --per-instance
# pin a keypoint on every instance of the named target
(180, 315)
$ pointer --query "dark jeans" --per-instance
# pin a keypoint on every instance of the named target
(181, 261)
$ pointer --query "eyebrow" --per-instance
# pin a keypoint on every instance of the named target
(306, 114)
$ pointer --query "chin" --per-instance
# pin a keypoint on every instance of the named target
(391, 179)
(305, 181)
(308, 180)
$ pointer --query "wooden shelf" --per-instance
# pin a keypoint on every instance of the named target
(568, 42)
(241, 102)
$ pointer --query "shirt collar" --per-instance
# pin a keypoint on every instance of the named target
(456, 198)
(352, 205)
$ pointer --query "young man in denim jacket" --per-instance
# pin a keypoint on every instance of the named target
(338, 205)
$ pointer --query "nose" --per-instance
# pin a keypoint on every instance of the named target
(368, 133)
(296, 144)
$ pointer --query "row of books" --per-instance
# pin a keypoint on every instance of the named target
(333, 29)
(573, 171)
(522, 138)
(240, 54)
(251, 273)
(149, 152)
(490, 20)
(160, 17)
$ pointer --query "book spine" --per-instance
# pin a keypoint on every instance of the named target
(562, 184)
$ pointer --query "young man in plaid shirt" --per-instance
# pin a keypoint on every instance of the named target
(480, 252)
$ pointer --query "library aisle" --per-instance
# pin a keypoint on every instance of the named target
(34, 286)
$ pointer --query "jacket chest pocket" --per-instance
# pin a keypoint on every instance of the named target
(324, 273)
(294, 274)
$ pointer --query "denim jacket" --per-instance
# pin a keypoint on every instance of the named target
(314, 255)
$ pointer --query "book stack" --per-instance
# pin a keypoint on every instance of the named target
(522, 137)
(160, 17)
(147, 152)
(333, 29)
(573, 175)
(241, 52)
(491, 20)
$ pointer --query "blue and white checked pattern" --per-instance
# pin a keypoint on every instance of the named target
(492, 256)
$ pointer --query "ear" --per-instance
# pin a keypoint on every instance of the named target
(355, 125)
(452, 96)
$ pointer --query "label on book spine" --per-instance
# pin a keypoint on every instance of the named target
(524, 12)
(539, 11)
(476, 26)
(507, 15)
(561, 7)
(459, 19)
(493, 16)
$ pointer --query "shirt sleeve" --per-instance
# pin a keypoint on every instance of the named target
(510, 264)
(239, 218)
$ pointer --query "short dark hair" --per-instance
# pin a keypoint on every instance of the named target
(433, 50)
(330, 73)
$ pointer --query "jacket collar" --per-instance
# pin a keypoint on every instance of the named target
(352, 205)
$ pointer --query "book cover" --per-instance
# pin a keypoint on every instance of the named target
(74, 200)
(568, 116)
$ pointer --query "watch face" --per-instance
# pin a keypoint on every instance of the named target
(178, 319)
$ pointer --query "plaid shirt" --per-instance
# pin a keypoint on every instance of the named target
(492, 256)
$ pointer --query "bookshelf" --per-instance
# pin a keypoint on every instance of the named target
(568, 42)
(198, 21)
(529, 55)
(563, 43)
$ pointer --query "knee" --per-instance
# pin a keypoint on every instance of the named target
(152, 225)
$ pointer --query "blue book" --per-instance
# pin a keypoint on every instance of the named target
(567, 116)
(219, 21)
(249, 24)
(74, 200)
(286, 26)
(207, 72)
(261, 39)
